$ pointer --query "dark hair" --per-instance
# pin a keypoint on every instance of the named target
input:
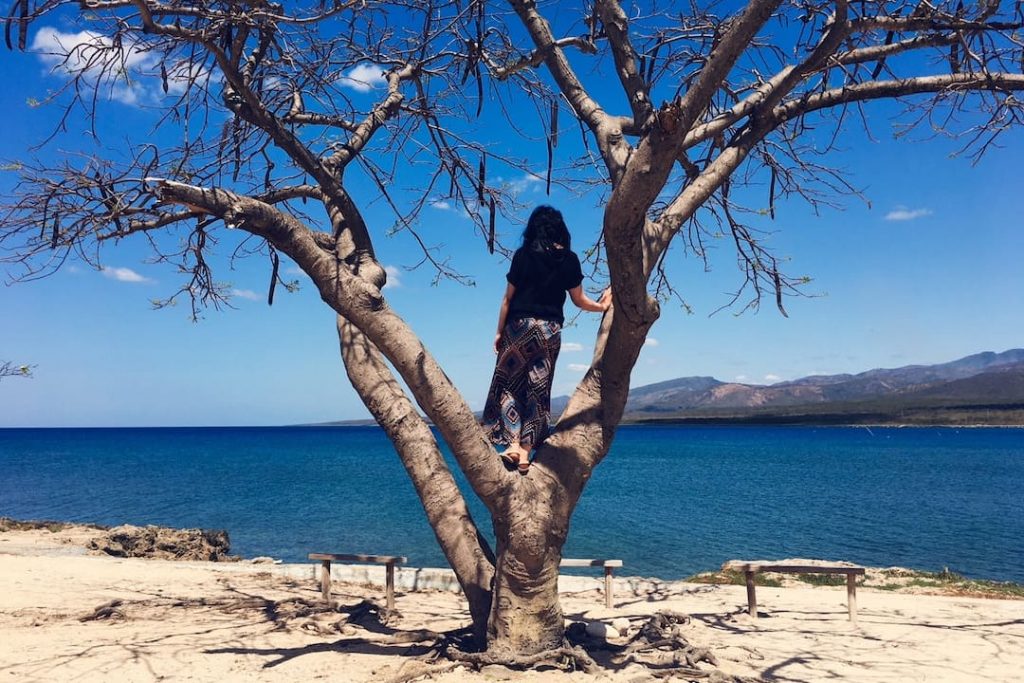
(546, 228)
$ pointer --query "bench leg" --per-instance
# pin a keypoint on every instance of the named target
(608, 587)
(751, 595)
(325, 580)
(851, 596)
(390, 585)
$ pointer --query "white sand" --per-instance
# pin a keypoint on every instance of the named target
(242, 634)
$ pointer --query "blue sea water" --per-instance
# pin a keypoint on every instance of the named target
(669, 501)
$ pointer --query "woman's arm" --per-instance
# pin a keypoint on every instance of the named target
(510, 290)
(587, 304)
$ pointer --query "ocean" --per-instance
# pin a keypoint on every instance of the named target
(668, 500)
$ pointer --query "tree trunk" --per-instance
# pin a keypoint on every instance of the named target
(526, 616)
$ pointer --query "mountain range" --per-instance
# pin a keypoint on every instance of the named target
(985, 388)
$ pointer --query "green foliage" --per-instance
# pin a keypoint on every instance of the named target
(733, 577)
(825, 579)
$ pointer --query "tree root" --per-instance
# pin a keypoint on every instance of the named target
(108, 610)
(417, 670)
(660, 645)
(568, 656)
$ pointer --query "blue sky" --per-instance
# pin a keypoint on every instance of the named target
(927, 273)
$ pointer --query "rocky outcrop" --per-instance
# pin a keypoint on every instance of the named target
(164, 543)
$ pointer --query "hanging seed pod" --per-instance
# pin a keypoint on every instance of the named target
(42, 223)
(554, 122)
(479, 90)
(275, 263)
(7, 27)
(55, 236)
(266, 176)
(23, 25)
(771, 195)
(881, 62)
(163, 77)
(482, 178)
(551, 159)
(778, 289)
(490, 234)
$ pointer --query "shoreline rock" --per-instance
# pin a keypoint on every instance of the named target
(164, 543)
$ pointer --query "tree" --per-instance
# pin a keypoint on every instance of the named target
(740, 97)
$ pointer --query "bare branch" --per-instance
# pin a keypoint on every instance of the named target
(616, 25)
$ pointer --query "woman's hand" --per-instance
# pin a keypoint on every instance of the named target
(606, 299)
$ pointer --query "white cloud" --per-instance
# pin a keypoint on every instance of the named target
(902, 213)
(741, 378)
(572, 346)
(651, 341)
(246, 294)
(578, 367)
(770, 377)
(521, 185)
(75, 52)
(129, 73)
(363, 78)
(441, 205)
(123, 274)
(394, 277)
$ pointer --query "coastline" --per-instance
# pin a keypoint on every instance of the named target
(254, 621)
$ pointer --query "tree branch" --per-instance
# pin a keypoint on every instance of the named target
(873, 90)
(583, 104)
(464, 547)
(383, 111)
(616, 25)
(536, 57)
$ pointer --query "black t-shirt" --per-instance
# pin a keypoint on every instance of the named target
(541, 280)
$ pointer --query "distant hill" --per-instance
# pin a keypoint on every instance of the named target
(981, 383)
(985, 388)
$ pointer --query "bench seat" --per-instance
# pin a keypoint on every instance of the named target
(752, 567)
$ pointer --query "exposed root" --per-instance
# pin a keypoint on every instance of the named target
(417, 670)
(660, 645)
(567, 656)
(108, 610)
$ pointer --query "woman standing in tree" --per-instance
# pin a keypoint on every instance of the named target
(530, 321)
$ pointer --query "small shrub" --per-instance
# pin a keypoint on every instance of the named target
(733, 577)
(825, 579)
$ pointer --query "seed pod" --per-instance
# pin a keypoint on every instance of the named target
(554, 122)
(490, 235)
(551, 160)
(482, 178)
(275, 263)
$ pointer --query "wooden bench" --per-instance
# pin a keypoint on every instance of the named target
(388, 561)
(608, 565)
(749, 569)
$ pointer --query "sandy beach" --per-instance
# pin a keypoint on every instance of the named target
(240, 621)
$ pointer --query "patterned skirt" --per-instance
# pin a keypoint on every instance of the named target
(518, 405)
